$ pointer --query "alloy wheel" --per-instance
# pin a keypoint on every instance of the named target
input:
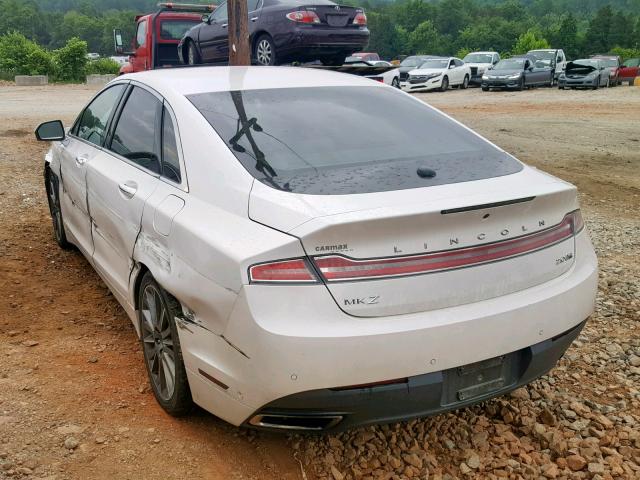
(264, 52)
(54, 208)
(158, 343)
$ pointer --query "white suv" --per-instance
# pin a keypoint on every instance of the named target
(479, 63)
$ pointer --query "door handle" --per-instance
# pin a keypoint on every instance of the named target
(224, 25)
(128, 188)
(254, 19)
(81, 160)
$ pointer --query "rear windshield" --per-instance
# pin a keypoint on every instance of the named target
(347, 140)
(175, 29)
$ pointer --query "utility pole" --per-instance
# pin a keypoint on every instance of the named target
(239, 48)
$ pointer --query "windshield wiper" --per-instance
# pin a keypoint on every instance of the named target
(245, 125)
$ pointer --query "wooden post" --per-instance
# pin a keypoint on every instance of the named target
(239, 48)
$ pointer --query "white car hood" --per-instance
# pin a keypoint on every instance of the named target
(427, 71)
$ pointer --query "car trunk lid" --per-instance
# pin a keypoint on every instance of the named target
(338, 16)
(408, 251)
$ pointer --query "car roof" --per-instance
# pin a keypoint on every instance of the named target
(487, 52)
(192, 80)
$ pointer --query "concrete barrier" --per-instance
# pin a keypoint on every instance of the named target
(31, 80)
(98, 80)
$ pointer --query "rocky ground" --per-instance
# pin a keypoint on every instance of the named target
(74, 401)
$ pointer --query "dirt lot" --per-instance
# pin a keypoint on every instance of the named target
(74, 400)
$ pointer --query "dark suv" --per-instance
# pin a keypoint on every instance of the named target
(282, 31)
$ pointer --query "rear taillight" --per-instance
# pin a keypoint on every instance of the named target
(296, 270)
(360, 19)
(577, 223)
(303, 16)
(377, 79)
(338, 268)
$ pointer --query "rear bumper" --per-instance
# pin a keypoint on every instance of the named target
(418, 396)
(309, 42)
(284, 348)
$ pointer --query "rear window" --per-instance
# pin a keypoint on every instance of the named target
(175, 29)
(347, 140)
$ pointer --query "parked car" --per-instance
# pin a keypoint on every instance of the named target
(629, 70)
(93, 56)
(612, 64)
(282, 31)
(366, 56)
(411, 63)
(158, 35)
(276, 272)
(552, 57)
(387, 74)
(585, 73)
(518, 73)
(480, 62)
(438, 74)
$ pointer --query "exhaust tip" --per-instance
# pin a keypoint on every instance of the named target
(296, 422)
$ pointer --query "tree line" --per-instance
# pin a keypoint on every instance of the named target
(401, 27)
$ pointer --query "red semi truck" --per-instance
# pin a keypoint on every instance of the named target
(158, 34)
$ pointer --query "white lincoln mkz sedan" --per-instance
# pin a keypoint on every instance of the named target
(281, 275)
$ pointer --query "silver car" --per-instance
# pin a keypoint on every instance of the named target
(311, 250)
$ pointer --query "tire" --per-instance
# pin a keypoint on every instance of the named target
(597, 85)
(53, 189)
(552, 83)
(193, 57)
(608, 85)
(485, 89)
(521, 85)
(445, 84)
(161, 346)
(395, 82)
(264, 51)
(465, 83)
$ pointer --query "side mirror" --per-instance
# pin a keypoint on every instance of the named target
(117, 40)
(50, 131)
(451, 66)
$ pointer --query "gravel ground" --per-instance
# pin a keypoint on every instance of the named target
(74, 401)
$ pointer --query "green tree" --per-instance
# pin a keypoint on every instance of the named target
(567, 38)
(21, 56)
(425, 39)
(598, 36)
(529, 41)
(71, 61)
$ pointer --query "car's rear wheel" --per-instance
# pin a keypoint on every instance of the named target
(53, 189)
(445, 84)
(264, 51)
(193, 57)
(395, 82)
(161, 347)
(465, 82)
